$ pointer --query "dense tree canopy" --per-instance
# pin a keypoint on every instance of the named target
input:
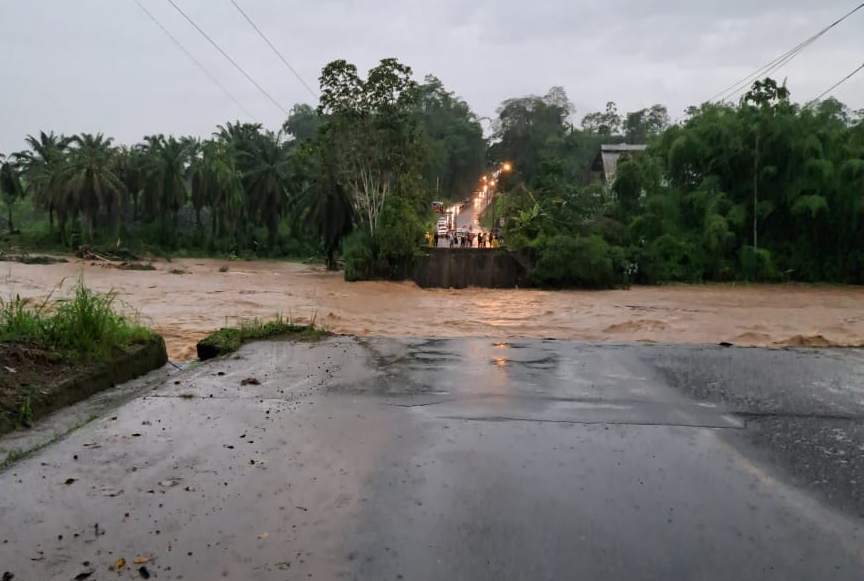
(762, 190)
(765, 189)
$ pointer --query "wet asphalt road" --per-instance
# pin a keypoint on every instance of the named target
(460, 459)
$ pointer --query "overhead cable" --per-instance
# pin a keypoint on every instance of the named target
(230, 60)
(194, 60)
(778, 62)
(279, 54)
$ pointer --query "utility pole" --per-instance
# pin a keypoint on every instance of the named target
(755, 189)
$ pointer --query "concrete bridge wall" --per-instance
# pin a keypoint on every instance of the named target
(464, 267)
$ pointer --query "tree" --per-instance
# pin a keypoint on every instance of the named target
(130, 162)
(530, 129)
(43, 168)
(266, 182)
(454, 142)
(323, 203)
(10, 188)
(373, 133)
(761, 102)
(607, 122)
(643, 124)
(165, 182)
(302, 123)
(90, 177)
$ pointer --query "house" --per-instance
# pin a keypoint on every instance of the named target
(606, 161)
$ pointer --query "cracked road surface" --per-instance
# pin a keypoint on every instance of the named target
(459, 459)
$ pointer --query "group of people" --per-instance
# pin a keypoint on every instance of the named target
(464, 240)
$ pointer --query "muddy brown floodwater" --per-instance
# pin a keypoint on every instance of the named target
(186, 307)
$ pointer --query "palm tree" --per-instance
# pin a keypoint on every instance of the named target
(200, 180)
(43, 167)
(165, 181)
(91, 178)
(10, 187)
(324, 204)
(265, 178)
(129, 162)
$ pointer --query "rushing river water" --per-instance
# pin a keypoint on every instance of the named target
(186, 307)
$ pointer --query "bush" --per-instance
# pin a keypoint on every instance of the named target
(665, 259)
(357, 253)
(756, 265)
(577, 261)
(399, 234)
(390, 254)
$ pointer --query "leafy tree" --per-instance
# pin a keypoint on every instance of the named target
(454, 142)
(606, 122)
(303, 123)
(639, 126)
(372, 132)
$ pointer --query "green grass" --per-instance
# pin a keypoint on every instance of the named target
(229, 339)
(84, 325)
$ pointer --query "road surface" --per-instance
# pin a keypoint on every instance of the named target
(459, 459)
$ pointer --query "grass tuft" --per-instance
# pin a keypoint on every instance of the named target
(229, 339)
(84, 325)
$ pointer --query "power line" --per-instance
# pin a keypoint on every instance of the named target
(270, 44)
(837, 84)
(230, 60)
(778, 62)
(193, 59)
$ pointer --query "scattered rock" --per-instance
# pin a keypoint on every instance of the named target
(69, 481)
(250, 381)
(145, 574)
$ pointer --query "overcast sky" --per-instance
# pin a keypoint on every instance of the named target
(103, 65)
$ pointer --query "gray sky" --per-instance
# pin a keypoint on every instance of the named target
(102, 65)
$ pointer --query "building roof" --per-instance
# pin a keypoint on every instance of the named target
(607, 158)
(622, 147)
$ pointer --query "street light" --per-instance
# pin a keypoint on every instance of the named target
(506, 167)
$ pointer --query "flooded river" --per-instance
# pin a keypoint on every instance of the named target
(185, 307)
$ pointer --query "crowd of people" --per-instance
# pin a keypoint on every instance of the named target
(464, 240)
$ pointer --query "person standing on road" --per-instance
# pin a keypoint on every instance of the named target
(435, 238)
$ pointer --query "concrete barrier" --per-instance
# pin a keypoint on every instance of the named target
(464, 267)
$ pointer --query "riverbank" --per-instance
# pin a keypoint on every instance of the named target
(184, 300)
